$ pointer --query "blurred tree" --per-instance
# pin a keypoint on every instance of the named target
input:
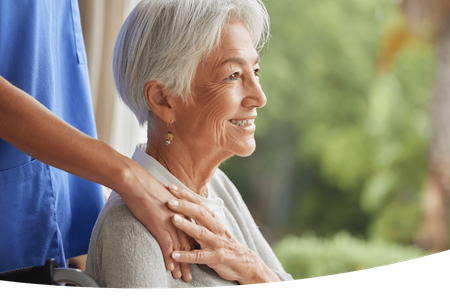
(432, 17)
(338, 141)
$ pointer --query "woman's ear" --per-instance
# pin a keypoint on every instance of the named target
(160, 101)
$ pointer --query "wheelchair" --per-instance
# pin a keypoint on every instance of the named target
(50, 274)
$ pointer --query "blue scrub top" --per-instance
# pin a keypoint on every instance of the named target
(45, 212)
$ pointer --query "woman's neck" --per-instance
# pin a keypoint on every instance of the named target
(193, 167)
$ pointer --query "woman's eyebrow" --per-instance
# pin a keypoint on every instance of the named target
(238, 60)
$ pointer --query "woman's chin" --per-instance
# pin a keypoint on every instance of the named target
(246, 149)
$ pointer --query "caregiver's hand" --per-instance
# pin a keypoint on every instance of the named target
(219, 250)
(31, 127)
(145, 197)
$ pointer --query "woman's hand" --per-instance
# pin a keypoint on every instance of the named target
(219, 250)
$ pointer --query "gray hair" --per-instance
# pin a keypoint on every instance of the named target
(164, 41)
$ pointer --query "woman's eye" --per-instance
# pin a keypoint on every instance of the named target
(233, 76)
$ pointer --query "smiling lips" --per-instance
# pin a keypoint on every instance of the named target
(242, 122)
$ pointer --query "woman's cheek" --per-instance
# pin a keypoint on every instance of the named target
(218, 108)
(217, 111)
(216, 119)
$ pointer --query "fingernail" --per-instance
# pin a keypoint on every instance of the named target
(178, 218)
(174, 202)
(176, 255)
(178, 275)
(189, 276)
(173, 186)
(171, 267)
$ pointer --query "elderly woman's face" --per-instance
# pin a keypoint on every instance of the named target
(226, 95)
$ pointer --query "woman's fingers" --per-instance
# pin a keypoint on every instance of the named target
(202, 235)
(195, 256)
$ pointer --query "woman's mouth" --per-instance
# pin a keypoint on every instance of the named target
(242, 122)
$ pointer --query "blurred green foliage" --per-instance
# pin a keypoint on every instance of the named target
(310, 256)
(340, 145)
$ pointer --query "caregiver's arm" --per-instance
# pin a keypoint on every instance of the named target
(31, 127)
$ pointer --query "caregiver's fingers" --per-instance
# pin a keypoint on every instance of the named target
(168, 241)
(186, 245)
(190, 210)
(182, 193)
(198, 213)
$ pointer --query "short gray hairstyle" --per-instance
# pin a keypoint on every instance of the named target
(164, 41)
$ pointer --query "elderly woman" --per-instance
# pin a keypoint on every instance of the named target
(190, 69)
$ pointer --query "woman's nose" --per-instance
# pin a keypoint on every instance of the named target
(255, 96)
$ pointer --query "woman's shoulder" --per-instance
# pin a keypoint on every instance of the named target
(114, 212)
(117, 229)
(221, 186)
(221, 179)
(116, 217)
(121, 246)
(125, 254)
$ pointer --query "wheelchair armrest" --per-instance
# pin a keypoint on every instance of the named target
(74, 276)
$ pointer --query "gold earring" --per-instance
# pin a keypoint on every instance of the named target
(169, 135)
